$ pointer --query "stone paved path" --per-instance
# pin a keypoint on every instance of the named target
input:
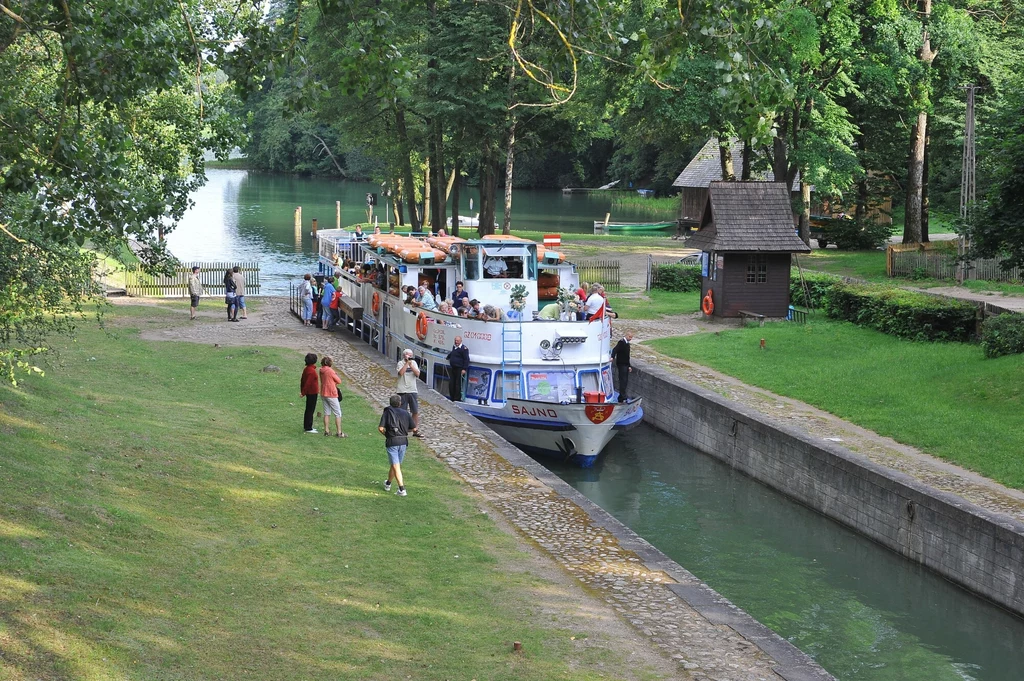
(702, 650)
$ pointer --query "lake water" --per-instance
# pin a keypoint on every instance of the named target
(244, 216)
(863, 612)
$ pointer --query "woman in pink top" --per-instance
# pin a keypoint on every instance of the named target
(330, 396)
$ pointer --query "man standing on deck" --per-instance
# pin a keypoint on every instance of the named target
(195, 290)
(458, 363)
(620, 355)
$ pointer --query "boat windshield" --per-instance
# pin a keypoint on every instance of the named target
(509, 262)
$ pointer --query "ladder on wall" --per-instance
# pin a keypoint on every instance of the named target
(511, 358)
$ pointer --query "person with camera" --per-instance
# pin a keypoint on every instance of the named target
(408, 373)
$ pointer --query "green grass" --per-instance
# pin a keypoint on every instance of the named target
(654, 304)
(164, 517)
(869, 265)
(943, 398)
(231, 164)
(939, 222)
(666, 207)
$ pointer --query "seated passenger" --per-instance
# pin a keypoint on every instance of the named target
(445, 307)
(491, 313)
(496, 267)
(475, 312)
(550, 311)
(426, 299)
(358, 234)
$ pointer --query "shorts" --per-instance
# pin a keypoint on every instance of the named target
(240, 300)
(410, 402)
(396, 454)
(331, 406)
(194, 300)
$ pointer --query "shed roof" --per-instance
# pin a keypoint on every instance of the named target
(748, 216)
(706, 167)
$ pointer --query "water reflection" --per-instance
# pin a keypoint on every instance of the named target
(239, 215)
(863, 612)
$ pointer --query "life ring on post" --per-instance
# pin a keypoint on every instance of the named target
(707, 305)
(421, 325)
(375, 304)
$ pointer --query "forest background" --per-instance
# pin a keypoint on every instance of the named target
(108, 107)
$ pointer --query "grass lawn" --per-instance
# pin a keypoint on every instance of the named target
(943, 398)
(164, 517)
(869, 265)
(240, 163)
(653, 304)
(938, 221)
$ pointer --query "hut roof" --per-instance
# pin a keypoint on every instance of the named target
(706, 167)
(748, 216)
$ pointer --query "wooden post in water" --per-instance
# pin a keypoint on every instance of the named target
(337, 214)
(298, 225)
(314, 228)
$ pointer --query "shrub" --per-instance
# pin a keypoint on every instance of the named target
(848, 235)
(905, 314)
(817, 286)
(676, 278)
(1003, 335)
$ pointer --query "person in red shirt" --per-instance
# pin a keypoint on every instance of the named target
(309, 387)
(330, 396)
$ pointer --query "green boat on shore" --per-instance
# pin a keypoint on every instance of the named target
(600, 227)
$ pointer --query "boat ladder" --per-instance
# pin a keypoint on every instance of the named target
(511, 358)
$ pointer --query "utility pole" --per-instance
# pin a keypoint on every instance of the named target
(967, 176)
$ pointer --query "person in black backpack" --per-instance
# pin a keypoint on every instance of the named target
(395, 425)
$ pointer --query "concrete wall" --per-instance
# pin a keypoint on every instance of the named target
(981, 551)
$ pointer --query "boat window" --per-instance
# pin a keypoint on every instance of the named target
(478, 383)
(514, 380)
(589, 380)
(509, 262)
(471, 263)
(551, 386)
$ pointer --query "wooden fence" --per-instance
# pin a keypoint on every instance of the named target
(211, 274)
(938, 260)
(604, 272)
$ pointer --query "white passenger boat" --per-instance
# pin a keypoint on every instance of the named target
(546, 386)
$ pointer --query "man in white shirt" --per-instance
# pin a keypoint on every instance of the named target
(408, 373)
(594, 302)
(496, 267)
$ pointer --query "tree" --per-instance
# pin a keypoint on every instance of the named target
(106, 110)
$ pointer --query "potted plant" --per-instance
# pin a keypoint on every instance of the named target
(517, 301)
(568, 304)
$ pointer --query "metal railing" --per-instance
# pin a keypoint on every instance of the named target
(211, 274)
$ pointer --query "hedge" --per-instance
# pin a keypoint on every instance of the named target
(676, 278)
(817, 285)
(1003, 335)
(905, 314)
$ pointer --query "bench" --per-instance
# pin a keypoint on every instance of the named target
(744, 315)
(350, 308)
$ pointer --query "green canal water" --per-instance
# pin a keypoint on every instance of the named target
(244, 216)
(864, 613)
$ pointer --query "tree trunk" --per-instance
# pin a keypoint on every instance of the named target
(914, 205)
(397, 203)
(506, 223)
(408, 184)
(924, 189)
(455, 197)
(725, 158)
(748, 158)
(861, 210)
(488, 191)
(439, 196)
(805, 210)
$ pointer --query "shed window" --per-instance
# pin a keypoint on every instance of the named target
(757, 269)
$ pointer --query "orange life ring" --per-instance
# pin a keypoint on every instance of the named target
(707, 305)
(376, 302)
(421, 325)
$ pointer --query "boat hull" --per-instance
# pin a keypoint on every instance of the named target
(633, 226)
(576, 433)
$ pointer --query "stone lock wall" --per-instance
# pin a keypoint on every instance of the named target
(981, 551)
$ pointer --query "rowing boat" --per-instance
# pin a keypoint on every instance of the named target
(600, 226)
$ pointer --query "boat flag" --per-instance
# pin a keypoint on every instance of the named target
(599, 314)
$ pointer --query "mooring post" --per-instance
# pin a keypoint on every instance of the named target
(314, 228)
(337, 214)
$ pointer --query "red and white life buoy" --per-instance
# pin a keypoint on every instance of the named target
(707, 305)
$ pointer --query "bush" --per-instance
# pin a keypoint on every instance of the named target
(676, 278)
(848, 235)
(1003, 335)
(817, 286)
(901, 313)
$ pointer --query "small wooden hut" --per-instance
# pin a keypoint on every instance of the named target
(748, 236)
(705, 168)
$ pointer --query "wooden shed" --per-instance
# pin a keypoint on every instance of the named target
(748, 236)
(705, 168)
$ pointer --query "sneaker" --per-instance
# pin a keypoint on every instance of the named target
(416, 433)
(401, 492)
(312, 431)
(387, 485)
